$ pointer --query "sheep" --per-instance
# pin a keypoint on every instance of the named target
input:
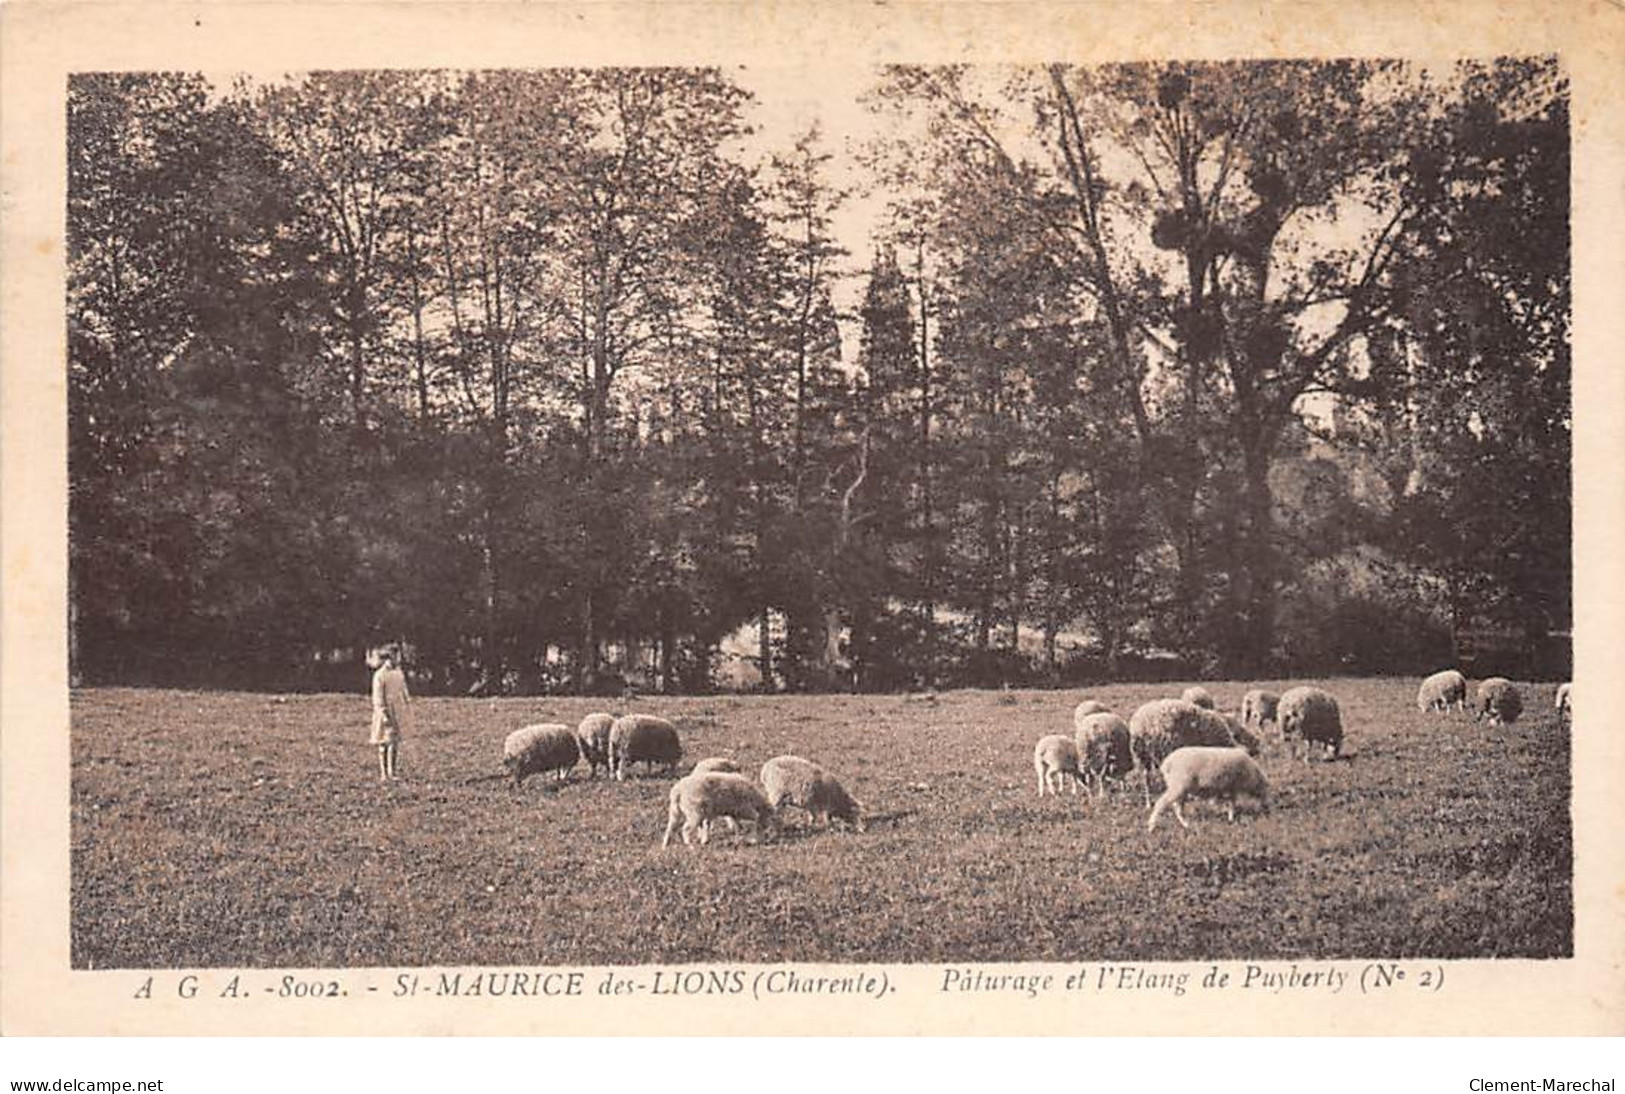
(1203, 772)
(1258, 708)
(540, 748)
(716, 764)
(1104, 751)
(1312, 714)
(699, 799)
(1443, 690)
(1086, 709)
(1564, 703)
(1056, 759)
(1163, 725)
(1200, 696)
(644, 737)
(791, 780)
(593, 733)
(1498, 700)
(1244, 738)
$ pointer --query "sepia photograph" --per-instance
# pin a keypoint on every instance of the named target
(828, 518)
(1070, 419)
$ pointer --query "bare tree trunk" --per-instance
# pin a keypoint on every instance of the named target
(1258, 560)
(1016, 550)
(764, 650)
(75, 677)
(418, 351)
(668, 638)
(928, 555)
(358, 365)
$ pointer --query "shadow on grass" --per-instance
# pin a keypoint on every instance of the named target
(872, 819)
(498, 777)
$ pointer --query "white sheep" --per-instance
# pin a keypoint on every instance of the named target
(1259, 708)
(1201, 772)
(1055, 760)
(720, 765)
(1104, 750)
(540, 748)
(643, 738)
(791, 780)
(1564, 703)
(1442, 690)
(1498, 700)
(593, 733)
(697, 800)
(1163, 725)
(1200, 696)
(1086, 709)
(1312, 714)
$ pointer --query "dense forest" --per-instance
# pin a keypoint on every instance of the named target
(1241, 368)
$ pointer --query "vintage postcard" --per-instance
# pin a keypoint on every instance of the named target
(812, 518)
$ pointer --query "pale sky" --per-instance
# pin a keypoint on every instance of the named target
(788, 101)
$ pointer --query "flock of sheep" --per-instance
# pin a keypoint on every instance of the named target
(1199, 752)
(1203, 753)
(714, 790)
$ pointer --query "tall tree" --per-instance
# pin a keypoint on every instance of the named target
(649, 157)
(802, 205)
(1476, 367)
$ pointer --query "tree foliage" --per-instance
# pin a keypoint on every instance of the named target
(544, 374)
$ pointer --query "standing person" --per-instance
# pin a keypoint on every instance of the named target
(389, 711)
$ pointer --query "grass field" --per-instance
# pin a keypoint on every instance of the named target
(242, 830)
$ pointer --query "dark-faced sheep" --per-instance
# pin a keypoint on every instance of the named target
(1224, 774)
(1441, 691)
(540, 748)
(791, 780)
(643, 738)
(1499, 701)
(1104, 750)
(1200, 696)
(593, 733)
(1259, 708)
(1244, 738)
(1564, 701)
(1055, 760)
(697, 800)
(1312, 715)
(1164, 725)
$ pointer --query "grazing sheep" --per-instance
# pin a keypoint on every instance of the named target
(1565, 700)
(540, 748)
(1312, 714)
(791, 780)
(1200, 696)
(1104, 751)
(1056, 759)
(720, 765)
(1258, 708)
(1498, 700)
(1443, 690)
(699, 799)
(1222, 773)
(1245, 738)
(1086, 709)
(1163, 725)
(643, 737)
(593, 733)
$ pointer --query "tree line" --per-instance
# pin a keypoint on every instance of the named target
(1238, 367)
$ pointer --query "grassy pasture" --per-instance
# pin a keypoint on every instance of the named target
(215, 829)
